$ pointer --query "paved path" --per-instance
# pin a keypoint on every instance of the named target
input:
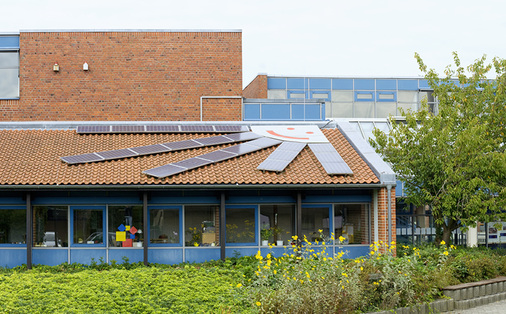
(492, 308)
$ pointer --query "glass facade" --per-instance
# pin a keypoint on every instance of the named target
(125, 226)
(9, 74)
(240, 224)
(351, 221)
(88, 226)
(202, 225)
(355, 97)
(50, 226)
(277, 223)
(315, 224)
(164, 225)
(12, 226)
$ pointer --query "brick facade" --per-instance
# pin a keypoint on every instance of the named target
(383, 215)
(132, 76)
(257, 88)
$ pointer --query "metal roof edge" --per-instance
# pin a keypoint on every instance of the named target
(291, 101)
(374, 161)
(70, 125)
(131, 31)
(148, 187)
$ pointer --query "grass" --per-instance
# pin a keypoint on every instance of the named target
(304, 280)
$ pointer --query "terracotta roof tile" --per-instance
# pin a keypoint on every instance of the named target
(32, 157)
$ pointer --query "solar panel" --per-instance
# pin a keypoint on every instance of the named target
(150, 149)
(117, 154)
(87, 129)
(246, 136)
(214, 140)
(218, 155)
(330, 159)
(162, 128)
(282, 156)
(197, 128)
(80, 159)
(164, 171)
(230, 128)
(210, 158)
(159, 148)
(125, 128)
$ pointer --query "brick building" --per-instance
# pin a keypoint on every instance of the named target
(129, 75)
(105, 156)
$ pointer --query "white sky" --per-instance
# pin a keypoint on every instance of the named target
(299, 37)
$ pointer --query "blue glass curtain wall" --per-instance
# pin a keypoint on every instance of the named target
(184, 226)
(351, 97)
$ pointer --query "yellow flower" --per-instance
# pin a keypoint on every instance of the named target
(344, 274)
(195, 244)
(443, 242)
(320, 230)
(295, 237)
(258, 303)
(239, 285)
(445, 253)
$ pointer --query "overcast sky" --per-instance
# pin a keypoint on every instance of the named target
(299, 38)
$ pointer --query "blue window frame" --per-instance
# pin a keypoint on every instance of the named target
(241, 223)
(88, 226)
(386, 96)
(364, 96)
(297, 94)
(320, 93)
(316, 217)
(165, 225)
(12, 226)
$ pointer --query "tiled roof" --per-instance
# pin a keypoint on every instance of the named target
(32, 157)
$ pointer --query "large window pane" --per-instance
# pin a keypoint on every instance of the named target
(51, 226)
(88, 226)
(315, 223)
(351, 221)
(201, 225)
(9, 74)
(12, 226)
(276, 223)
(164, 226)
(240, 224)
(125, 226)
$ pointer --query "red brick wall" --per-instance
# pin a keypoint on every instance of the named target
(383, 215)
(132, 76)
(257, 88)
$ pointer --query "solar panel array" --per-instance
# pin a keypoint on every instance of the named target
(159, 148)
(330, 159)
(282, 156)
(211, 158)
(104, 129)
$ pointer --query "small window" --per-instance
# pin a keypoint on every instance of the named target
(364, 96)
(9, 74)
(51, 226)
(351, 222)
(277, 223)
(88, 226)
(125, 226)
(201, 225)
(165, 225)
(12, 226)
(386, 96)
(240, 225)
(315, 223)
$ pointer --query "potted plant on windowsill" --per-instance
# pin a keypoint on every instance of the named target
(265, 234)
(276, 232)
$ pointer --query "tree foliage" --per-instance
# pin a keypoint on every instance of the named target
(453, 158)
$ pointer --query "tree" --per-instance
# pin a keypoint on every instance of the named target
(453, 159)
